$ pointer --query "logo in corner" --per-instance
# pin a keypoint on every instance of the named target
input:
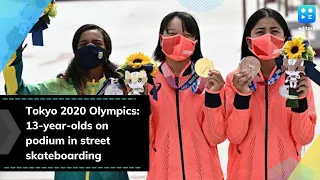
(307, 14)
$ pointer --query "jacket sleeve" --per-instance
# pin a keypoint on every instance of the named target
(14, 84)
(303, 119)
(237, 112)
(213, 125)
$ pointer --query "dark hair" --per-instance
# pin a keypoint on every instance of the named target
(253, 20)
(189, 24)
(76, 75)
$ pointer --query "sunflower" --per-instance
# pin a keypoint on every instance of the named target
(137, 60)
(294, 48)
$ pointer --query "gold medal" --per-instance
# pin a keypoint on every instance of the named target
(203, 66)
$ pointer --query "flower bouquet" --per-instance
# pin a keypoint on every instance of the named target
(42, 24)
(295, 51)
(138, 70)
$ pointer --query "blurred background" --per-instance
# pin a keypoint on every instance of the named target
(134, 26)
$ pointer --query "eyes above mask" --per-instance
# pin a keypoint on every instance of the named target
(266, 47)
(90, 56)
(178, 47)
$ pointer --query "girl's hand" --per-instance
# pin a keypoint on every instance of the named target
(302, 87)
(215, 81)
(241, 81)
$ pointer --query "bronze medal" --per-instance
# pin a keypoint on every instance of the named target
(250, 64)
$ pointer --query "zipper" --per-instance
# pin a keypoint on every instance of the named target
(179, 130)
(266, 134)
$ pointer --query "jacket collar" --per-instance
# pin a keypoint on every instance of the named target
(185, 72)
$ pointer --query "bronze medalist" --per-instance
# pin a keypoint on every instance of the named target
(250, 64)
(203, 66)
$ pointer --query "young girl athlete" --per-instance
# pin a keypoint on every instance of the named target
(186, 126)
(265, 135)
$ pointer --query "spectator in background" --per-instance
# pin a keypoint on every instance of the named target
(266, 136)
(186, 125)
(85, 76)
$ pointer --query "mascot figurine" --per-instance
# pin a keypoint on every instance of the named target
(136, 81)
(297, 52)
(138, 70)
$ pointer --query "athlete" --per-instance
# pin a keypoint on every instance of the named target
(85, 75)
(266, 136)
(186, 124)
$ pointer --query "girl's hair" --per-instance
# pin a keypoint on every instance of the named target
(77, 76)
(189, 24)
(253, 20)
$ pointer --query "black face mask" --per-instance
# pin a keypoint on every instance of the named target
(90, 57)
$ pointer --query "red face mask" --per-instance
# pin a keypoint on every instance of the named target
(177, 48)
(266, 47)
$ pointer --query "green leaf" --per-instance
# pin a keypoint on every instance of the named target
(304, 56)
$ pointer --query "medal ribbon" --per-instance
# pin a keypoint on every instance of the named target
(106, 83)
(197, 87)
(276, 75)
(154, 89)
